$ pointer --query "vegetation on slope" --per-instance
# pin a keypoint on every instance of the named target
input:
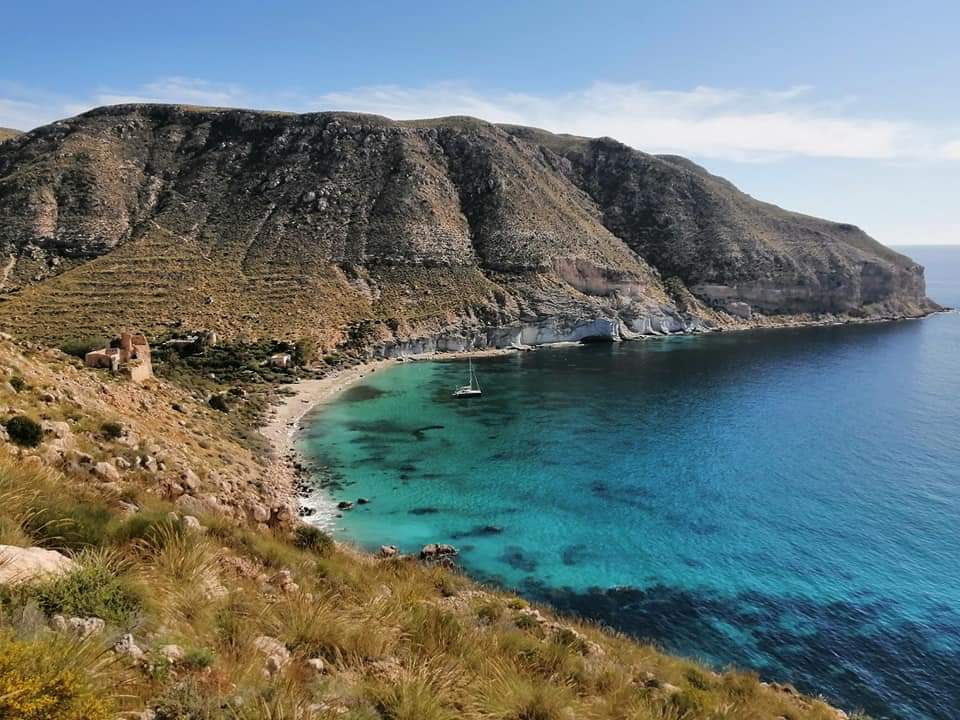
(266, 225)
(207, 615)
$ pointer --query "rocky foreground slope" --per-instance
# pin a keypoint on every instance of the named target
(403, 235)
(147, 573)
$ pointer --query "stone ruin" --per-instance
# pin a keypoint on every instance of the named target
(130, 355)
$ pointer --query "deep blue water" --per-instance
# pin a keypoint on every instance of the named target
(787, 500)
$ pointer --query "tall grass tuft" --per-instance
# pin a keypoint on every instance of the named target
(507, 694)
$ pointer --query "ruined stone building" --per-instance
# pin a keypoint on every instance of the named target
(129, 355)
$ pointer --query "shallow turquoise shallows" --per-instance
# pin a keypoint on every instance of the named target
(787, 500)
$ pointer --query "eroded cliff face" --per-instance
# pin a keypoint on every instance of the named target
(445, 232)
(728, 247)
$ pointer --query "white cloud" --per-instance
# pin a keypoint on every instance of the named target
(952, 150)
(707, 122)
(704, 121)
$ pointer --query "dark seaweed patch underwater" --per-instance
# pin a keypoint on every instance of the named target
(782, 500)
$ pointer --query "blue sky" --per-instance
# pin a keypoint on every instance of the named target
(848, 110)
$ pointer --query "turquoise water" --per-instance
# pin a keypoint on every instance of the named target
(781, 500)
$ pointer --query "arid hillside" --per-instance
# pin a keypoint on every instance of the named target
(429, 234)
(148, 572)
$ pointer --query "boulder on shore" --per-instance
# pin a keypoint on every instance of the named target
(435, 551)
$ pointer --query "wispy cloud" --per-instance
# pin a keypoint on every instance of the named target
(952, 150)
(703, 121)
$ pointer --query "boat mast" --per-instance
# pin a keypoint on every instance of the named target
(473, 376)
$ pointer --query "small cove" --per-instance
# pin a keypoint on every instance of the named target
(781, 500)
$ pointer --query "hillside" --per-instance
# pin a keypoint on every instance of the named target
(441, 233)
(8, 133)
(176, 586)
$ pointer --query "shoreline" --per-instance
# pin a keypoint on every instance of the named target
(284, 421)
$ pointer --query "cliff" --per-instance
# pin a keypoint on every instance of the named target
(437, 233)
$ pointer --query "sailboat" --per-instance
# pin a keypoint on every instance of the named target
(472, 388)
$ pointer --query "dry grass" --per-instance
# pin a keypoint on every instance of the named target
(397, 640)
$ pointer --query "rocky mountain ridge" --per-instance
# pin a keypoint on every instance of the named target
(436, 234)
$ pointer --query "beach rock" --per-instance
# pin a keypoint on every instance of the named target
(80, 458)
(192, 524)
(127, 508)
(127, 646)
(785, 688)
(317, 665)
(259, 513)
(25, 564)
(79, 626)
(57, 428)
(138, 715)
(172, 653)
(106, 471)
(387, 669)
(284, 581)
(740, 309)
(191, 505)
(389, 551)
(362, 501)
(277, 655)
(648, 680)
(189, 480)
(434, 551)
(344, 505)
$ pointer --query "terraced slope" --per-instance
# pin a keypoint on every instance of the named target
(446, 232)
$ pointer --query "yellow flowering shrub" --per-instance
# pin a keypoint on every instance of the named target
(37, 683)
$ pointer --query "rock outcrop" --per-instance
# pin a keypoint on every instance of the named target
(26, 564)
(433, 234)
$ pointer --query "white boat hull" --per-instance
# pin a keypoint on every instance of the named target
(467, 392)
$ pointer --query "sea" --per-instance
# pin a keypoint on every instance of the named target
(785, 501)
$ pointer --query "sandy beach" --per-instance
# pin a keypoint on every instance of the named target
(285, 419)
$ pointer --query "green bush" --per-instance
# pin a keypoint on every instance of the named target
(198, 658)
(24, 431)
(305, 351)
(79, 347)
(18, 383)
(186, 701)
(112, 430)
(219, 402)
(308, 537)
(92, 590)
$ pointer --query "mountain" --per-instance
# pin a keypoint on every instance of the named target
(8, 133)
(404, 236)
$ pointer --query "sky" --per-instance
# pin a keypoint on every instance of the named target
(847, 110)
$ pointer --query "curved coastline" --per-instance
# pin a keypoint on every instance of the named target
(311, 394)
(285, 419)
